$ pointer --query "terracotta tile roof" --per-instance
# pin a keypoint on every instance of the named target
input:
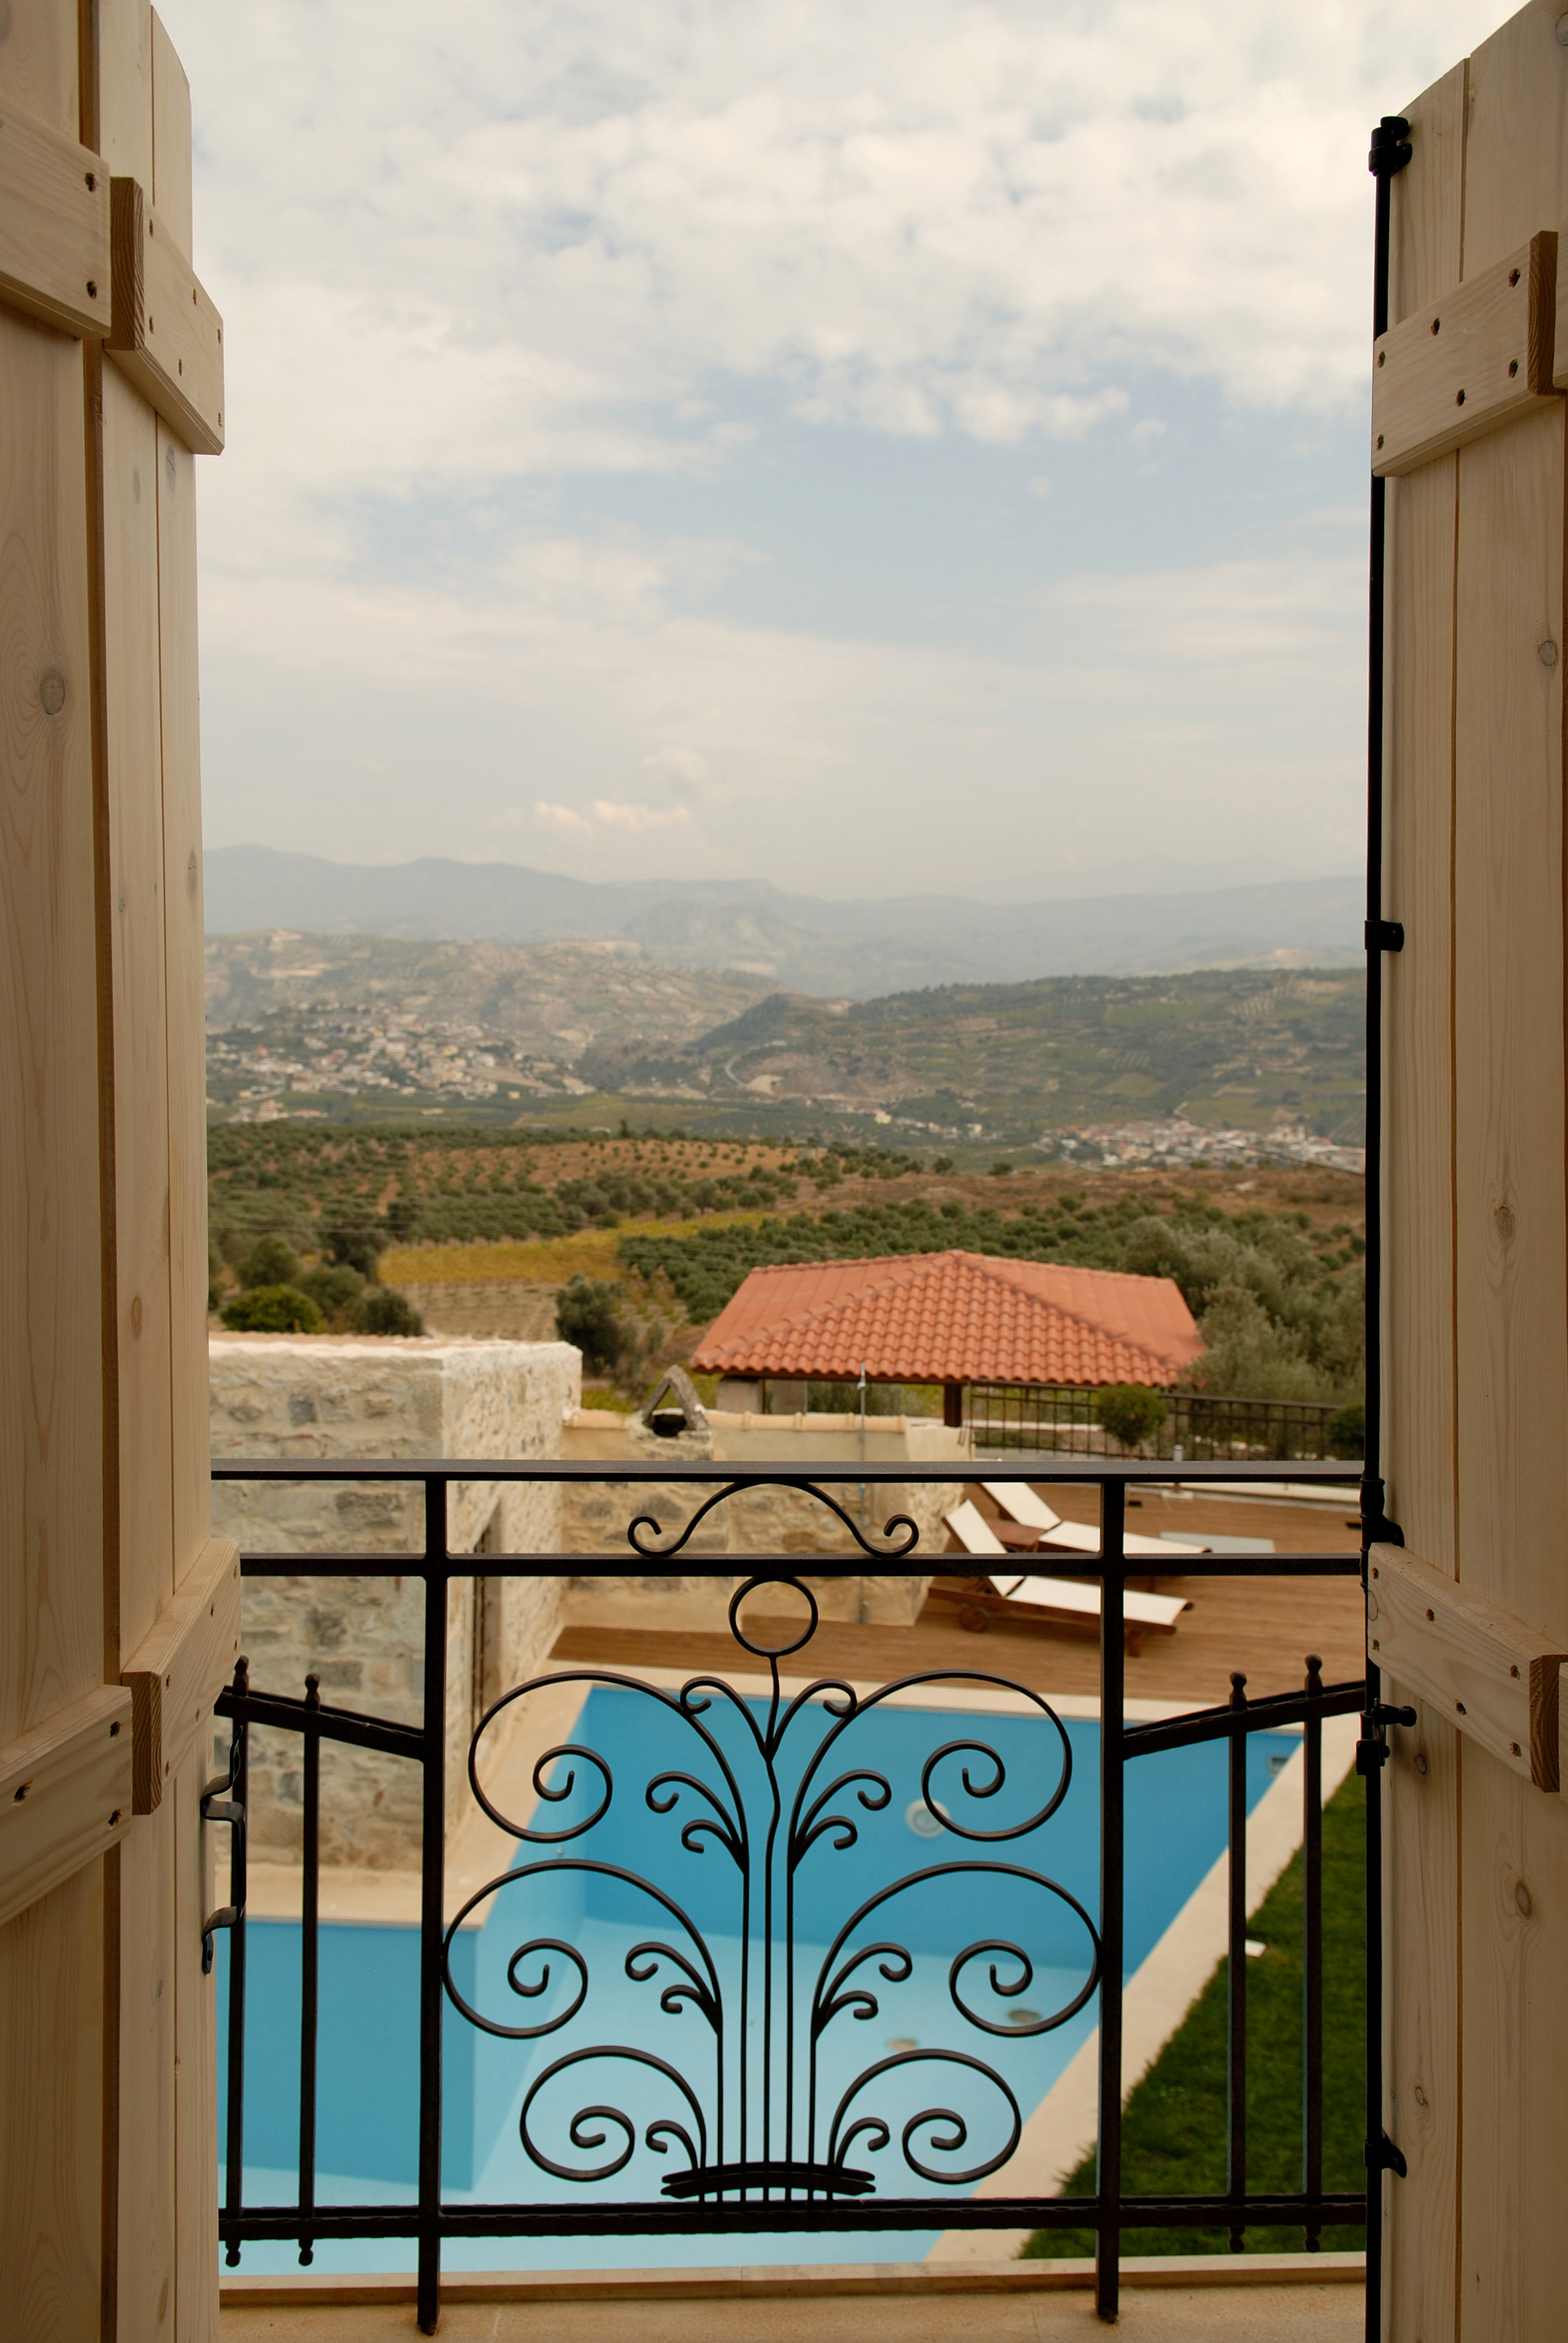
(951, 1317)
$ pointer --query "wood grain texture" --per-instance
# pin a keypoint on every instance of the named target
(178, 1669)
(1427, 197)
(1474, 1664)
(146, 2228)
(1516, 150)
(51, 1399)
(51, 2087)
(1421, 2022)
(171, 175)
(1511, 1262)
(125, 88)
(1477, 356)
(1418, 1014)
(53, 226)
(184, 997)
(1513, 2273)
(165, 333)
(135, 798)
(1421, 1843)
(64, 1795)
(38, 62)
(195, 2067)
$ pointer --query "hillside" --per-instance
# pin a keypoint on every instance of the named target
(860, 947)
(356, 1028)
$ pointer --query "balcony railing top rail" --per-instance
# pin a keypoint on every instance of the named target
(759, 2134)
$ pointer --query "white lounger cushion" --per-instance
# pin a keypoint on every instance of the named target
(1025, 1504)
(1065, 1595)
(1022, 1504)
(972, 1530)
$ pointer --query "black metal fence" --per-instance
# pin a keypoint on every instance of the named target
(753, 2128)
(1042, 1419)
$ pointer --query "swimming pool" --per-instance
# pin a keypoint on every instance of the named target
(904, 1919)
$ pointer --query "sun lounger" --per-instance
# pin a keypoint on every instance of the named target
(1061, 1602)
(1027, 1505)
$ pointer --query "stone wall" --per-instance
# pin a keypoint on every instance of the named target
(283, 1395)
(762, 1521)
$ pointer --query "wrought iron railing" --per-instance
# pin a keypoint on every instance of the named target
(1198, 1427)
(757, 2130)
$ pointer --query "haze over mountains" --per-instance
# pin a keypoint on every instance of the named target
(799, 942)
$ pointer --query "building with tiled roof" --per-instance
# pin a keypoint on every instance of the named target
(950, 1318)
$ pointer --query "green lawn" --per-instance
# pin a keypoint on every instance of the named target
(1173, 2138)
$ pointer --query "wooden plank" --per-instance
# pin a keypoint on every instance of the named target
(64, 1795)
(38, 63)
(195, 2065)
(1510, 1266)
(1420, 1836)
(1420, 2018)
(1513, 1919)
(126, 78)
(184, 997)
(165, 333)
(51, 2094)
(53, 226)
(1478, 1665)
(1476, 357)
(1426, 213)
(146, 2229)
(1512, 1343)
(51, 1387)
(177, 1671)
(1516, 154)
(171, 173)
(1418, 1003)
(133, 790)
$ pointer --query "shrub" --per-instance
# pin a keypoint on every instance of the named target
(587, 1314)
(269, 1263)
(334, 1292)
(353, 1241)
(1348, 1430)
(273, 1310)
(382, 1310)
(1131, 1412)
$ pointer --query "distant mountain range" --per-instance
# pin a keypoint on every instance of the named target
(801, 942)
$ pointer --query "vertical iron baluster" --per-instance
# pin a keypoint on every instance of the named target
(1236, 1977)
(1112, 1669)
(309, 1954)
(1312, 1950)
(431, 1901)
(234, 2144)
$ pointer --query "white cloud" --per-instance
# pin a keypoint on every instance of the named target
(638, 818)
(467, 256)
(562, 817)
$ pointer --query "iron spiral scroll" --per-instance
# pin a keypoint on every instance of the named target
(738, 2045)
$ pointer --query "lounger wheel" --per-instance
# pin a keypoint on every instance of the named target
(974, 1618)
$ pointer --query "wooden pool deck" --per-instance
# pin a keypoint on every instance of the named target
(1264, 1626)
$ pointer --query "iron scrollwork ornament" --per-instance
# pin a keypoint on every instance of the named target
(766, 2100)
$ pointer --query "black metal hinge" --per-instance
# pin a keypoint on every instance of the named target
(1383, 2155)
(1391, 146)
(1372, 1751)
(217, 1807)
(1377, 1529)
(1384, 935)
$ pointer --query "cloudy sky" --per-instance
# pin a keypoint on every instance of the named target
(879, 447)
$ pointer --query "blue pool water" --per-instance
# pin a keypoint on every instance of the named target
(892, 2007)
